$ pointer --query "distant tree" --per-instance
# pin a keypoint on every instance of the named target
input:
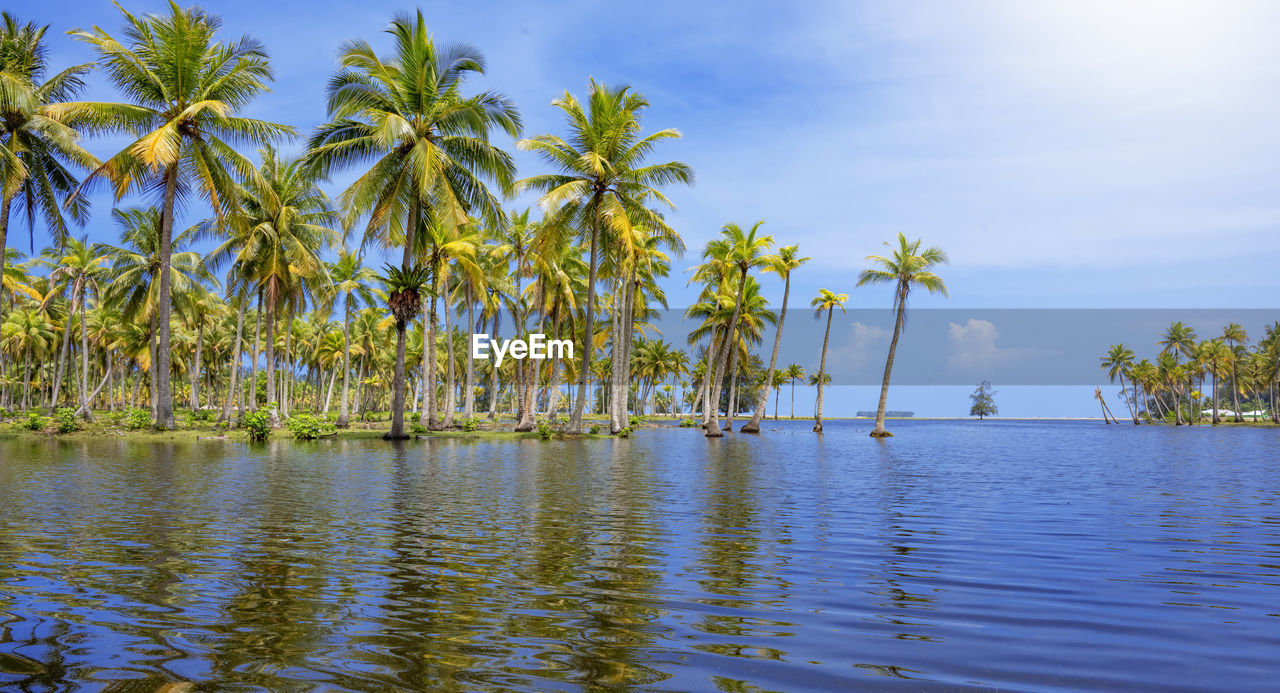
(984, 402)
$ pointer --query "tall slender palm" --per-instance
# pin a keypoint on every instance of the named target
(1117, 363)
(36, 139)
(425, 142)
(600, 186)
(1220, 360)
(183, 87)
(782, 263)
(828, 301)
(1179, 340)
(792, 373)
(79, 267)
(907, 267)
(1234, 335)
(740, 251)
(351, 283)
(404, 299)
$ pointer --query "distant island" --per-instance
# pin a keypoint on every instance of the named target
(891, 414)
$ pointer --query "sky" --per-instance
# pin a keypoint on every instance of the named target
(1079, 154)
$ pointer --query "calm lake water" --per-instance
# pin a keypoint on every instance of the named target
(961, 554)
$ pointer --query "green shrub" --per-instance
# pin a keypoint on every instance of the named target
(688, 423)
(545, 431)
(471, 424)
(417, 428)
(4, 413)
(202, 416)
(137, 419)
(65, 419)
(595, 428)
(624, 432)
(633, 421)
(369, 416)
(33, 422)
(307, 427)
(257, 424)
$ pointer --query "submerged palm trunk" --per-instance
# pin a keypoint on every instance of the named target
(822, 376)
(879, 430)
(753, 426)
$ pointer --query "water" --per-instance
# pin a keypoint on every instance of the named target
(958, 554)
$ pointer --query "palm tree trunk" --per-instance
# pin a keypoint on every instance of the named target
(344, 410)
(84, 360)
(1214, 417)
(233, 368)
(5, 203)
(62, 353)
(195, 370)
(1132, 412)
(253, 369)
(164, 388)
(879, 430)
(329, 395)
(1235, 392)
(493, 374)
(753, 426)
(451, 371)
(429, 417)
(553, 389)
(713, 426)
(397, 378)
(822, 375)
(271, 300)
(589, 329)
(469, 380)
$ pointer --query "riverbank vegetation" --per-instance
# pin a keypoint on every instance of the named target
(275, 295)
(1194, 380)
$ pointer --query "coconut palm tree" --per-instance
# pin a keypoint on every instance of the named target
(600, 186)
(404, 289)
(1235, 335)
(183, 87)
(1117, 363)
(791, 374)
(907, 267)
(425, 142)
(1179, 340)
(828, 301)
(351, 283)
(28, 334)
(37, 141)
(786, 260)
(79, 267)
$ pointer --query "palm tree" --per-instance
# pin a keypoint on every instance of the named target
(79, 267)
(426, 144)
(404, 290)
(782, 263)
(741, 251)
(1118, 362)
(828, 301)
(1234, 335)
(600, 187)
(29, 334)
(1220, 360)
(182, 87)
(1178, 340)
(280, 228)
(35, 137)
(135, 282)
(351, 282)
(908, 267)
(792, 373)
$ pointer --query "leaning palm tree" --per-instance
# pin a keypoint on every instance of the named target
(1178, 340)
(828, 301)
(425, 142)
(909, 266)
(1117, 363)
(782, 263)
(36, 138)
(183, 87)
(599, 188)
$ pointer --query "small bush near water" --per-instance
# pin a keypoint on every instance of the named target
(307, 427)
(65, 418)
(33, 422)
(137, 419)
(257, 424)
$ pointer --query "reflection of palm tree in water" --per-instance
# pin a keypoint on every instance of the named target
(897, 565)
(590, 563)
(732, 574)
(281, 610)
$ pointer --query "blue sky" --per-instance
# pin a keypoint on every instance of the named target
(1066, 154)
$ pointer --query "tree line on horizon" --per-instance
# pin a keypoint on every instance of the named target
(285, 315)
(1171, 388)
